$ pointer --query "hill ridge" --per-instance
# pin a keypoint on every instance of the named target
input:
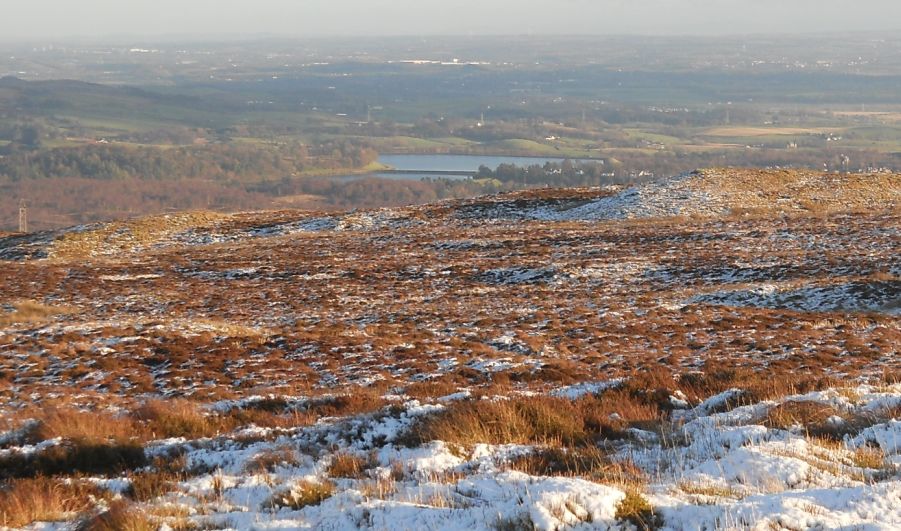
(700, 193)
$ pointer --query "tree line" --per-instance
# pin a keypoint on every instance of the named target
(217, 162)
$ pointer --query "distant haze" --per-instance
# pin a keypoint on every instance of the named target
(59, 19)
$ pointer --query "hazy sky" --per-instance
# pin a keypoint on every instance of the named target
(42, 19)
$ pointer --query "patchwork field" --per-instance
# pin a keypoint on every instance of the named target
(767, 131)
(718, 350)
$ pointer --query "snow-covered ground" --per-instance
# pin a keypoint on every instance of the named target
(872, 296)
(710, 470)
(552, 294)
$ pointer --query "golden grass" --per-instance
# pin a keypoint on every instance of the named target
(514, 421)
(120, 517)
(24, 501)
(866, 457)
(125, 236)
(537, 420)
(32, 312)
(638, 511)
(813, 417)
(85, 426)
(754, 386)
(346, 465)
(180, 418)
(799, 192)
(91, 442)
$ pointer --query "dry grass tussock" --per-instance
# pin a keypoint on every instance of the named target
(100, 442)
(872, 458)
(119, 517)
(23, 501)
(91, 443)
(351, 466)
(180, 418)
(709, 490)
(360, 401)
(534, 420)
(183, 418)
(84, 426)
(149, 485)
(151, 420)
(379, 489)
(638, 511)
(800, 413)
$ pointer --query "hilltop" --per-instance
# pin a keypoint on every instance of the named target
(721, 192)
(720, 348)
(699, 194)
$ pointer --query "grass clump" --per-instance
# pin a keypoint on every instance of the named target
(638, 511)
(866, 457)
(518, 421)
(91, 443)
(752, 386)
(817, 419)
(538, 420)
(358, 402)
(119, 517)
(304, 494)
(179, 418)
(84, 426)
(24, 501)
(350, 466)
(802, 412)
(150, 485)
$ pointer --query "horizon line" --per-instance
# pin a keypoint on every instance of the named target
(220, 38)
